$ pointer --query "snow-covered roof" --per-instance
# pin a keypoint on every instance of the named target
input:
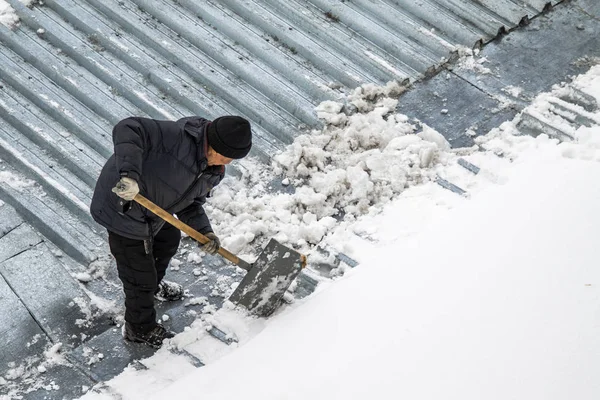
(70, 69)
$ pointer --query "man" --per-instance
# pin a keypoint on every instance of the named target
(175, 164)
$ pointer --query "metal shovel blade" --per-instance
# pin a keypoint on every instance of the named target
(271, 274)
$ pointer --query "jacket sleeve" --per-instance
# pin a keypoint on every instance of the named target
(131, 140)
(194, 216)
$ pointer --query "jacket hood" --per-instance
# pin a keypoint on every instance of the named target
(196, 127)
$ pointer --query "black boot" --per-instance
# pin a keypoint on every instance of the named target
(153, 338)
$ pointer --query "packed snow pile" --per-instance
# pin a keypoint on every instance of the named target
(469, 61)
(8, 17)
(367, 154)
(7, 14)
(359, 160)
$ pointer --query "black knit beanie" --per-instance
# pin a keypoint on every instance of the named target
(230, 136)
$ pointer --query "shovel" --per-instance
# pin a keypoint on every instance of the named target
(267, 279)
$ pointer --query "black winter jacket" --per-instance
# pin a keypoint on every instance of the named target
(168, 160)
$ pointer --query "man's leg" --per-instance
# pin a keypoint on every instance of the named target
(138, 273)
(165, 245)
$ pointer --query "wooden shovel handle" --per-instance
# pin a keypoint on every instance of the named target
(187, 229)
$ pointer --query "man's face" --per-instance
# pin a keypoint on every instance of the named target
(215, 158)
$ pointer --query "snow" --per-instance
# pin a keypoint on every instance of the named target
(83, 277)
(14, 181)
(514, 91)
(505, 307)
(7, 15)
(493, 295)
(197, 301)
(30, 372)
(366, 155)
(469, 61)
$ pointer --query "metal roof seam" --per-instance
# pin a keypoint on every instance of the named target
(401, 47)
(234, 90)
(400, 21)
(441, 19)
(476, 15)
(249, 68)
(132, 57)
(69, 76)
(53, 102)
(79, 158)
(261, 44)
(343, 48)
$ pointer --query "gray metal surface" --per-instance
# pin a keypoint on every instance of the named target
(63, 381)
(116, 354)
(546, 52)
(71, 69)
(18, 329)
(48, 291)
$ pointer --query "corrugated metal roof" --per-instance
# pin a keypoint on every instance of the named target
(72, 69)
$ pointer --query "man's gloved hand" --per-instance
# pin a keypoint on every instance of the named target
(213, 246)
(126, 188)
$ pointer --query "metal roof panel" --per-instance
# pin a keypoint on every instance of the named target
(72, 69)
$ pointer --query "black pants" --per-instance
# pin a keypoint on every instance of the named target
(141, 273)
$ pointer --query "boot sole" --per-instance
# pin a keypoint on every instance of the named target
(138, 340)
(143, 342)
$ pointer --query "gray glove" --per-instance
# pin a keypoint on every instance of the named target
(126, 188)
(213, 246)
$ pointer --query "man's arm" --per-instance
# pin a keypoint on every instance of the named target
(130, 140)
(195, 216)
